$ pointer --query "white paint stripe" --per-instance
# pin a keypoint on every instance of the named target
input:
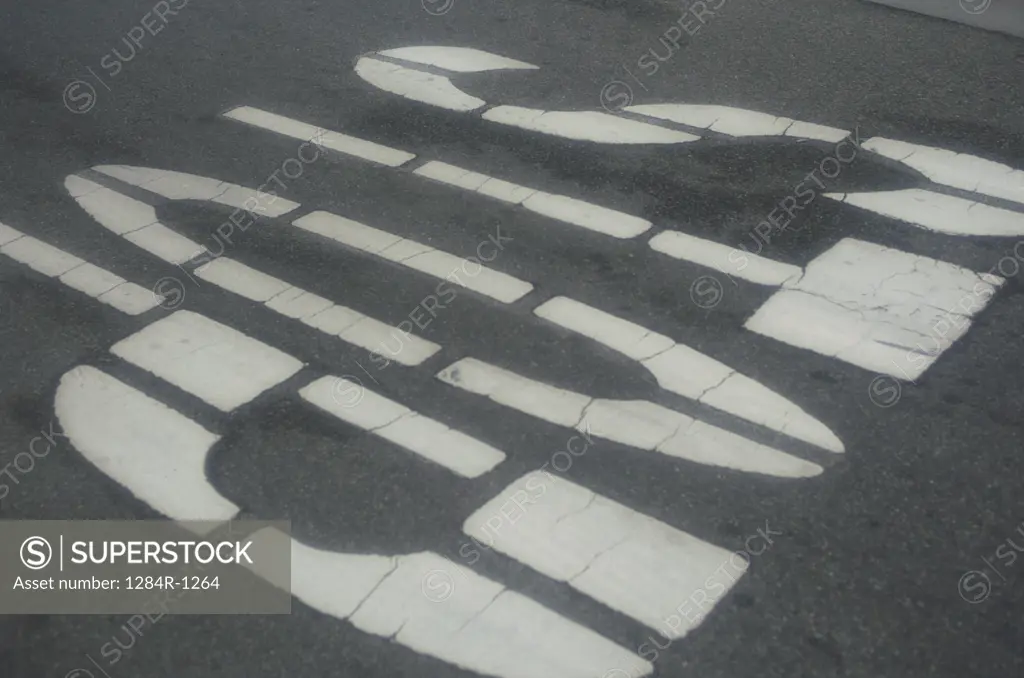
(878, 308)
(41, 257)
(458, 59)
(240, 279)
(560, 207)
(427, 88)
(77, 273)
(416, 256)
(158, 454)
(277, 295)
(586, 126)
(164, 243)
(357, 405)
(728, 260)
(483, 627)
(335, 141)
(959, 170)
(938, 212)
(214, 362)
(632, 563)
(637, 423)
(691, 374)
(322, 314)
(738, 122)
(182, 186)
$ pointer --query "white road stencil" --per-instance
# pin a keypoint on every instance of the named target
(728, 260)
(689, 373)
(624, 559)
(738, 122)
(881, 309)
(155, 452)
(419, 257)
(214, 362)
(427, 88)
(959, 170)
(938, 212)
(458, 452)
(637, 423)
(457, 59)
(160, 456)
(586, 126)
(78, 274)
(136, 221)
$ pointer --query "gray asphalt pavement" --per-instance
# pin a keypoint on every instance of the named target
(866, 577)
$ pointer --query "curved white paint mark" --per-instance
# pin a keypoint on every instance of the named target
(586, 126)
(738, 122)
(156, 453)
(689, 373)
(427, 88)
(959, 170)
(632, 563)
(183, 186)
(731, 261)
(637, 423)
(937, 212)
(458, 59)
(160, 456)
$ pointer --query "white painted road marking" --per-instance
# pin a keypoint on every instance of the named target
(689, 373)
(160, 457)
(458, 59)
(878, 308)
(628, 561)
(937, 211)
(128, 217)
(214, 362)
(77, 273)
(560, 207)
(427, 88)
(586, 126)
(419, 257)
(959, 170)
(155, 452)
(456, 451)
(728, 260)
(182, 186)
(738, 122)
(335, 141)
(637, 423)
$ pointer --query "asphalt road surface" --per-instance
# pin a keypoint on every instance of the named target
(254, 263)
